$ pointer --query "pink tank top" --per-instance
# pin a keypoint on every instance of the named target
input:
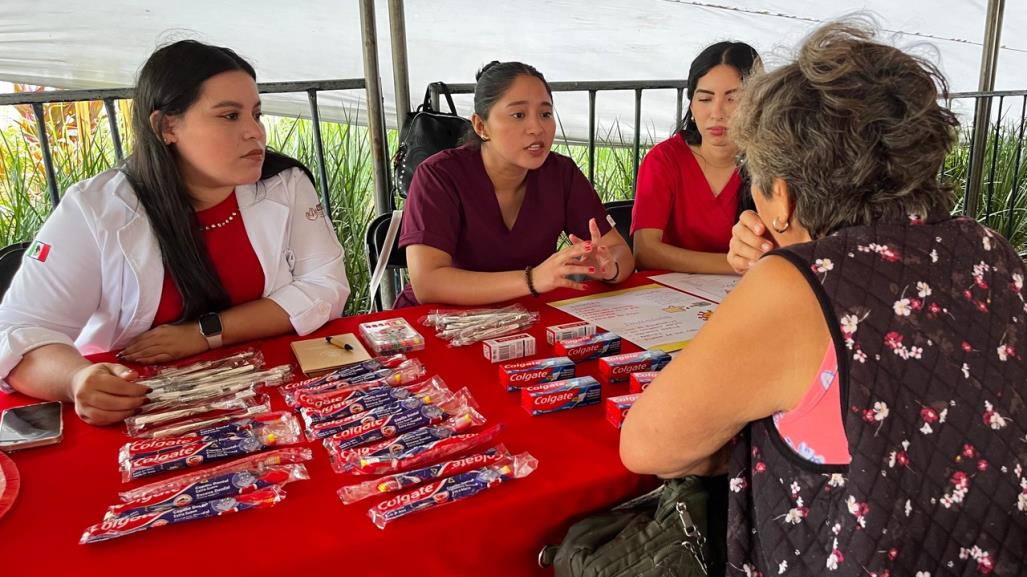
(814, 429)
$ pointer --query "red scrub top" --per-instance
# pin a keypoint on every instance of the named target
(674, 196)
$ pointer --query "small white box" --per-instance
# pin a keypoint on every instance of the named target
(509, 347)
(569, 331)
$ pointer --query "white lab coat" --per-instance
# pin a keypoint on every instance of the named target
(101, 281)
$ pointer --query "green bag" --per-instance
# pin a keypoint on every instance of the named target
(646, 537)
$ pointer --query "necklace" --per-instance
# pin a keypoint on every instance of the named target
(225, 222)
(709, 164)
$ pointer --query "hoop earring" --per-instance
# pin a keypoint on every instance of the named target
(778, 228)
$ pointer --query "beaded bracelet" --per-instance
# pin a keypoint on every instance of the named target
(531, 284)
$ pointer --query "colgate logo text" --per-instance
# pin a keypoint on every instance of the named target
(556, 398)
(529, 376)
(632, 368)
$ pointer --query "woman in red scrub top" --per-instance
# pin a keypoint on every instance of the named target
(689, 190)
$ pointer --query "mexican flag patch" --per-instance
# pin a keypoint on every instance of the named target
(39, 251)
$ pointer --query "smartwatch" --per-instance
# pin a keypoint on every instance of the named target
(210, 328)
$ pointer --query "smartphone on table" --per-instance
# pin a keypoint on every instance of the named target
(30, 426)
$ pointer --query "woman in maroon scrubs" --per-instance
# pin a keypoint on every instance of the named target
(482, 221)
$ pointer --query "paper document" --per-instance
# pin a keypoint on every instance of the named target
(712, 287)
(651, 316)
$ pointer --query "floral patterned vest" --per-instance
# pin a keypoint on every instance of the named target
(930, 326)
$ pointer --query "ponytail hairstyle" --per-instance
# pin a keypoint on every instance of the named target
(492, 82)
(169, 83)
(746, 61)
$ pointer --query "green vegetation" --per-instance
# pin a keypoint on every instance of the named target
(82, 146)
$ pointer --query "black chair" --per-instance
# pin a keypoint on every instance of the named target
(10, 260)
(620, 211)
(375, 239)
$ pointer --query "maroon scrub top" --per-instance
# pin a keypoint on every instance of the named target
(452, 206)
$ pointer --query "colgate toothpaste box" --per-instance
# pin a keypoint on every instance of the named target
(561, 395)
(566, 331)
(521, 374)
(618, 368)
(617, 408)
(508, 347)
(637, 382)
(589, 348)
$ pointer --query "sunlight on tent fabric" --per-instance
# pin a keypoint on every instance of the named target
(101, 44)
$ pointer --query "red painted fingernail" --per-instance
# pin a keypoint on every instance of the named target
(591, 269)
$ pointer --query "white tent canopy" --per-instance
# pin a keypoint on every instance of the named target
(68, 44)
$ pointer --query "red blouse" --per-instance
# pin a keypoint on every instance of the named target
(232, 254)
(674, 196)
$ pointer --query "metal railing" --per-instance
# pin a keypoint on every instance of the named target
(593, 88)
(978, 187)
(980, 184)
(108, 96)
(977, 183)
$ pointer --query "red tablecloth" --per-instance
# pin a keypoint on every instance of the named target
(67, 487)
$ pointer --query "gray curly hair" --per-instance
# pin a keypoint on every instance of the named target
(854, 127)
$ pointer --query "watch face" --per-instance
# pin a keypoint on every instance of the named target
(210, 324)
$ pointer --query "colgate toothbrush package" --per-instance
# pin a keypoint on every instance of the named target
(115, 527)
(197, 450)
(452, 489)
(350, 494)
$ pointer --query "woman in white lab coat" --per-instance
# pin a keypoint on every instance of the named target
(203, 238)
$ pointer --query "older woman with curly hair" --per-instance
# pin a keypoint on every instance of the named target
(864, 384)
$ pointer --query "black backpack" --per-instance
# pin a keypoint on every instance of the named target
(424, 133)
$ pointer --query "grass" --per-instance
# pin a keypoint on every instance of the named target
(82, 147)
(1003, 202)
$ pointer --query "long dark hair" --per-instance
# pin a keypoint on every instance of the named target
(742, 58)
(491, 83)
(169, 83)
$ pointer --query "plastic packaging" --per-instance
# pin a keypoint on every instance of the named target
(452, 489)
(249, 356)
(350, 494)
(390, 336)
(262, 424)
(199, 450)
(122, 526)
(347, 372)
(190, 426)
(346, 460)
(429, 446)
(283, 456)
(392, 420)
(407, 372)
(161, 399)
(464, 327)
(352, 403)
(226, 484)
(142, 425)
